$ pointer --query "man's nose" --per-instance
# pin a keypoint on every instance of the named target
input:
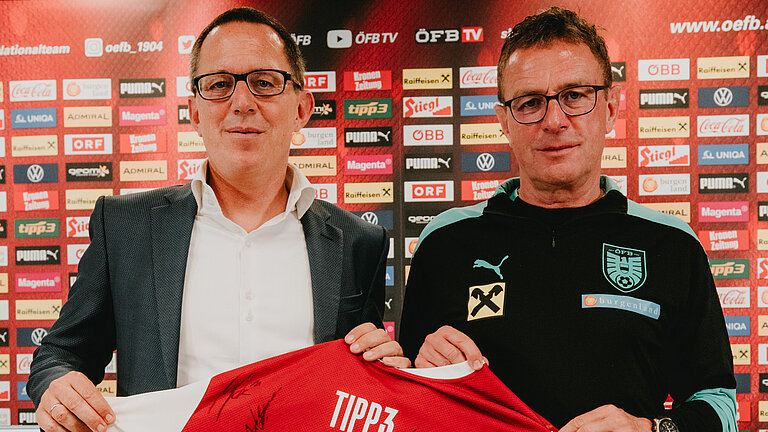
(242, 100)
(554, 119)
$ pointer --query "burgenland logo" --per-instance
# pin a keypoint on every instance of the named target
(624, 267)
(487, 301)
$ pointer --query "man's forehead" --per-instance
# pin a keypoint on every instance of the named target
(238, 41)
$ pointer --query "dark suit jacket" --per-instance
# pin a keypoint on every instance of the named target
(130, 282)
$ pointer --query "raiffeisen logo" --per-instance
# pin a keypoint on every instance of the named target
(142, 115)
(429, 106)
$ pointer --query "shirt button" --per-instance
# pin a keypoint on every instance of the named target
(248, 296)
(249, 317)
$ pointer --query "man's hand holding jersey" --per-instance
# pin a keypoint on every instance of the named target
(375, 344)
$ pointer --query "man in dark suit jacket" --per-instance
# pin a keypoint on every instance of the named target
(128, 294)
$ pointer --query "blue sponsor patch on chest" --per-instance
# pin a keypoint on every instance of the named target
(631, 304)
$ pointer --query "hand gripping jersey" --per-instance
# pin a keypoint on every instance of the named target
(326, 388)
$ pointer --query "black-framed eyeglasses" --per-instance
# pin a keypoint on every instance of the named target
(574, 101)
(261, 82)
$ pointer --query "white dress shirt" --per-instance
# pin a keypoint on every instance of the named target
(247, 295)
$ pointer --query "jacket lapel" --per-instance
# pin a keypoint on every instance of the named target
(325, 248)
(171, 231)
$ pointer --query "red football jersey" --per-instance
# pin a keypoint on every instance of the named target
(326, 388)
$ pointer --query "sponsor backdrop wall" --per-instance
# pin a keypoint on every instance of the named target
(93, 102)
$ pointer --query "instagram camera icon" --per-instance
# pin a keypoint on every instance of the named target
(94, 47)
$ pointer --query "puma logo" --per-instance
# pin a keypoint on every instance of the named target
(485, 264)
(681, 97)
(742, 182)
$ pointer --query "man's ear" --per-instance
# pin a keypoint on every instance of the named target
(194, 114)
(612, 112)
(304, 109)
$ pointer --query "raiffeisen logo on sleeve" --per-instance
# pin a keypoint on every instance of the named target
(428, 135)
(664, 184)
(368, 80)
(368, 137)
(433, 163)
(723, 125)
(664, 127)
(428, 106)
(87, 144)
(478, 190)
(38, 255)
(308, 138)
(38, 282)
(485, 162)
(478, 105)
(368, 164)
(724, 154)
(762, 124)
(89, 171)
(315, 166)
(33, 118)
(724, 183)
(364, 193)
(77, 226)
(324, 110)
(664, 98)
(36, 228)
(154, 142)
(477, 77)
(36, 200)
(427, 79)
(317, 82)
(428, 191)
(663, 156)
(367, 108)
(142, 88)
(384, 218)
(87, 89)
(724, 211)
(36, 173)
(142, 115)
(723, 97)
(614, 157)
(34, 90)
(664, 70)
(722, 67)
(188, 168)
(724, 240)
(98, 116)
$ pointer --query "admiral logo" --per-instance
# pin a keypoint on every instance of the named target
(481, 133)
(724, 154)
(730, 211)
(762, 182)
(619, 71)
(75, 252)
(368, 164)
(368, 137)
(87, 144)
(155, 170)
(477, 77)
(614, 157)
(187, 169)
(324, 110)
(477, 190)
(428, 106)
(89, 171)
(37, 200)
(724, 240)
(25, 91)
(729, 268)
(718, 97)
(762, 211)
(485, 162)
(722, 67)
(87, 89)
(737, 326)
(428, 191)
(367, 108)
(436, 163)
(36, 145)
(313, 166)
(37, 310)
(183, 111)
(307, 138)
(77, 226)
(762, 95)
(36, 173)
(663, 156)
(465, 34)
(142, 88)
(664, 98)
(26, 416)
(326, 192)
(183, 87)
(681, 210)
(384, 218)
(317, 82)
(84, 199)
(478, 105)
(664, 184)
(762, 124)
(141, 115)
(664, 127)
(188, 142)
(664, 70)
(427, 79)
(38, 282)
(733, 297)
(38, 255)
(724, 183)
(619, 130)
(143, 143)
(428, 135)
(36, 228)
(364, 193)
(33, 118)
(88, 116)
(369, 80)
(723, 125)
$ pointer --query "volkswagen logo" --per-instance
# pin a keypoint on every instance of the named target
(38, 334)
(485, 162)
(723, 96)
(35, 173)
(370, 217)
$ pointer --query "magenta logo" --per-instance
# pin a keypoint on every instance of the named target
(728, 211)
(142, 115)
(368, 164)
(38, 282)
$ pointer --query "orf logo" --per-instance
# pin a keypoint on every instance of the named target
(723, 96)
(623, 267)
(485, 162)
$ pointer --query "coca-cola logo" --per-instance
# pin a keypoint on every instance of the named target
(731, 125)
(23, 363)
(477, 77)
(37, 90)
(734, 297)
